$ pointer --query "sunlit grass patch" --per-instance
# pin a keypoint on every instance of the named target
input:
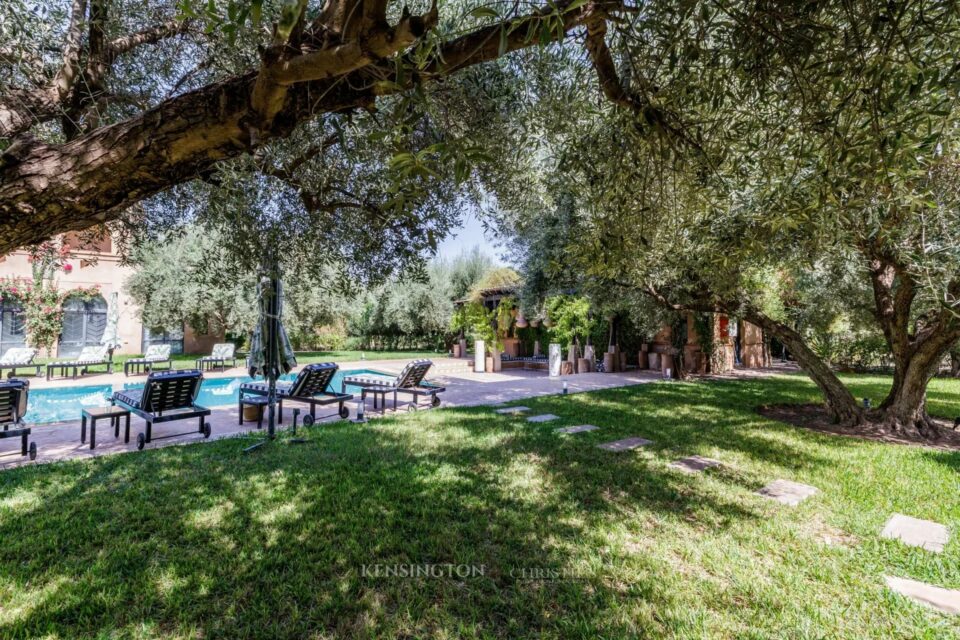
(568, 540)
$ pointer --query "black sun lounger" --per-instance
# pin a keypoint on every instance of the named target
(13, 406)
(310, 387)
(409, 381)
(167, 396)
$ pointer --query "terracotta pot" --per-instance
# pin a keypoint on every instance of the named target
(608, 362)
(583, 365)
(566, 368)
(642, 360)
(456, 351)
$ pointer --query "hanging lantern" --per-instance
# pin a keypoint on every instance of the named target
(521, 321)
(535, 323)
(547, 322)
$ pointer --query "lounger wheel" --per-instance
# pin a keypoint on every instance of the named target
(411, 407)
(33, 451)
(435, 402)
(344, 412)
(141, 441)
(207, 430)
(308, 420)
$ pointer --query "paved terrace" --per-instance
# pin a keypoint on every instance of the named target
(61, 440)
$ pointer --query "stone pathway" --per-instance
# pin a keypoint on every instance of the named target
(926, 534)
(578, 429)
(513, 411)
(945, 600)
(546, 417)
(787, 492)
(694, 464)
(625, 445)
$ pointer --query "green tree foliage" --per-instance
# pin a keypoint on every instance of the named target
(466, 270)
(765, 156)
(570, 317)
(175, 283)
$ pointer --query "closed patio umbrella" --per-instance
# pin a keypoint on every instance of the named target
(271, 354)
(111, 332)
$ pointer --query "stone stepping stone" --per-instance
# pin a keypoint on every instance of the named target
(579, 429)
(787, 492)
(546, 417)
(928, 535)
(513, 411)
(945, 600)
(625, 445)
(694, 464)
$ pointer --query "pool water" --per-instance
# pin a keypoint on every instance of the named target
(58, 404)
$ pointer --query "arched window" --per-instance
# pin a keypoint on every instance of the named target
(83, 324)
(12, 327)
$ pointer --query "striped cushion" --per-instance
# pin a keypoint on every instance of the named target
(18, 355)
(283, 388)
(132, 397)
(157, 352)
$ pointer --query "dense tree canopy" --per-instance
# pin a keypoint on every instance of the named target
(825, 137)
(107, 102)
(709, 156)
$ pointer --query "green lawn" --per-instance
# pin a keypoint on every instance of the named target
(187, 361)
(203, 541)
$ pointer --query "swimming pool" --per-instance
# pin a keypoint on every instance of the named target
(57, 404)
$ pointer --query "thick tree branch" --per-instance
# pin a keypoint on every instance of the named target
(48, 189)
(614, 89)
(63, 81)
(152, 35)
(20, 109)
(840, 402)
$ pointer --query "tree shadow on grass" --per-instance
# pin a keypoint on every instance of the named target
(949, 459)
(203, 541)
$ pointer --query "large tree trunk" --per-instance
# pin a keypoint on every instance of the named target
(916, 354)
(905, 407)
(840, 402)
(955, 363)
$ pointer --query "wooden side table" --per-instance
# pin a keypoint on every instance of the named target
(99, 413)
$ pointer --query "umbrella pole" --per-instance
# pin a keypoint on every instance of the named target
(273, 367)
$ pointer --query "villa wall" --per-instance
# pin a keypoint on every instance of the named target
(101, 267)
